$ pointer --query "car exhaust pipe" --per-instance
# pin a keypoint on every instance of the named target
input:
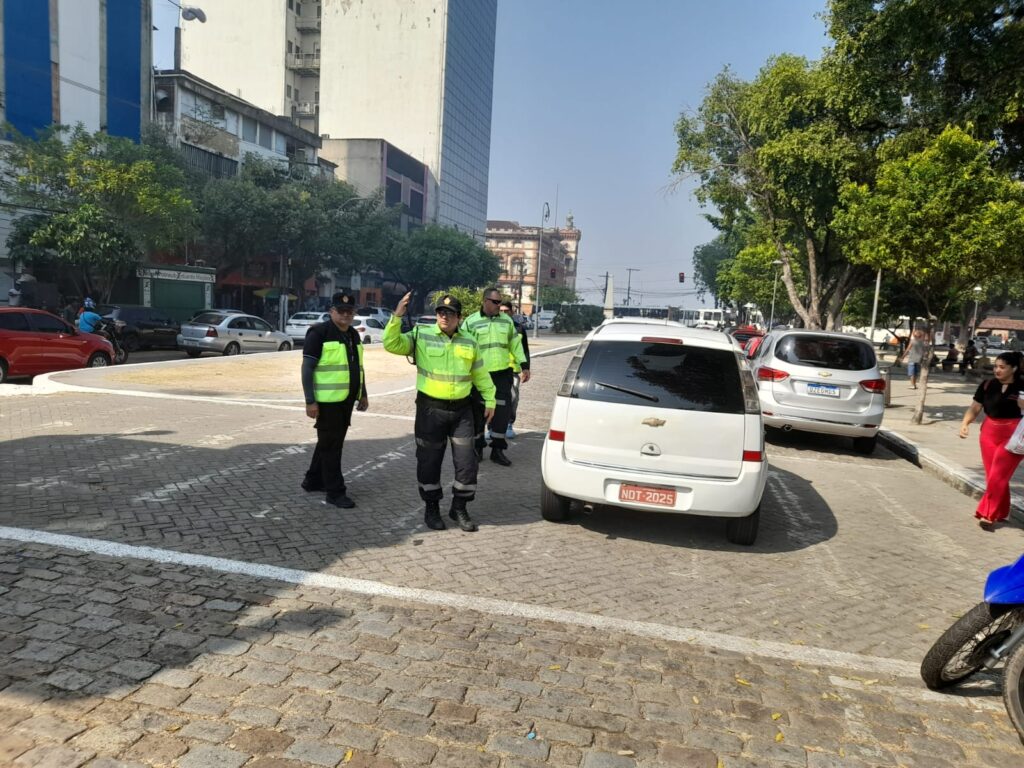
(787, 427)
(588, 509)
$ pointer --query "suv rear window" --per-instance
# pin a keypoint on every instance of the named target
(825, 352)
(660, 375)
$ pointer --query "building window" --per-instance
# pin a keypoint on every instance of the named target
(415, 204)
(266, 137)
(288, 91)
(248, 130)
(291, 5)
(392, 192)
(290, 46)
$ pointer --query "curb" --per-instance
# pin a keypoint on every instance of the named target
(970, 484)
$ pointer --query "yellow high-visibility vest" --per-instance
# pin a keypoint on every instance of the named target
(331, 377)
(498, 338)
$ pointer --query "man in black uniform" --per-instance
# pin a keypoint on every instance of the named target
(332, 382)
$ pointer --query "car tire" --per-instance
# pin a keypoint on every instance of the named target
(232, 349)
(98, 360)
(131, 343)
(553, 508)
(865, 445)
(285, 347)
(743, 530)
(3, 371)
(193, 352)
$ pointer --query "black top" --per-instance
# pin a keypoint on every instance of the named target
(997, 403)
(313, 347)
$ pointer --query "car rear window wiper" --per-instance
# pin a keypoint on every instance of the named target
(641, 395)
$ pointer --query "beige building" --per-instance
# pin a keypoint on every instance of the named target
(516, 249)
(416, 73)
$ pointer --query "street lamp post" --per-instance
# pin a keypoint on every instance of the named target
(974, 322)
(775, 286)
(545, 214)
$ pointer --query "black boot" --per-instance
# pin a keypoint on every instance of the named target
(311, 486)
(459, 514)
(498, 457)
(432, 517)
(479, 451)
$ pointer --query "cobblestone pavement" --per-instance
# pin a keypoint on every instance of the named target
(113, 662)
(859, 555)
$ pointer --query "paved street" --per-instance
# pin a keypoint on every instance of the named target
(644, 635)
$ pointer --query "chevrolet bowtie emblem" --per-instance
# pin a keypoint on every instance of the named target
(653, 422)
(824, 374)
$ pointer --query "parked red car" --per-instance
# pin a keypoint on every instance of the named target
(34, 342)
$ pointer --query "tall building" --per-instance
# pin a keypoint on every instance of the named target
(416, 73)
(516, 249)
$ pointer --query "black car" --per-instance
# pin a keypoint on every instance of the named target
(144, 327)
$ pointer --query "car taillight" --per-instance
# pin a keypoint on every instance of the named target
(556, 435)
(771, 374)
(211, 333)
(876, 386)
(360, 329)
(660, 340)
(753, 456)
(569, 379)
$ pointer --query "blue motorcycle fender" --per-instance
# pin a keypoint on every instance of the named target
(1005, 586)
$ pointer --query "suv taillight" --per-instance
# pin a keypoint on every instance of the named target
(211, 332)
(875, 386)
(569, 379)
(765, 373)
(751, 400)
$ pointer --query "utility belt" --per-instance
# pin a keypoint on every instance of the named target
(444, 405)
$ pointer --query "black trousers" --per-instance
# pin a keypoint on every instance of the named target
(439, 422)
(502, 409)
(331, 427)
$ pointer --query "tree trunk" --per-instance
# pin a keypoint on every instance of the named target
(929, 344)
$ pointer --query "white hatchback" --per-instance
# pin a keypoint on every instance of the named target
(301, 322)
(655, 416)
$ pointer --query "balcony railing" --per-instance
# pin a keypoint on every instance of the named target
(305, 63)
(304, 24)
(307, 108)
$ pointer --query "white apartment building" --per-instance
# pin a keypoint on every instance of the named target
(416, 73)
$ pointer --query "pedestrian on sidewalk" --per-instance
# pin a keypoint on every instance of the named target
(517, 369)
(499, 342)
(914, 356)
(448, 365)
(1002, 400)
(333, 381)
(970, 358)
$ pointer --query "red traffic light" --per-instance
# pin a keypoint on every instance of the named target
(682, 277)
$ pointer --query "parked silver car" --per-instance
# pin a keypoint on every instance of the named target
(230, 334)
(816, 381)
(301, 322)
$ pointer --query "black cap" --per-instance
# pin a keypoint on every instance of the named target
(342, 300)
(449, 302)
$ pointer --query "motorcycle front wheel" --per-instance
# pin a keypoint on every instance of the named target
(962, 649)
(1013, 689)
(120, 355)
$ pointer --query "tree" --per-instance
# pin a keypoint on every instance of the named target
(750, 278)
(104, 202)
(436, 256)
(556, 295)
(709, 258)
(771, 156)
(937, 219)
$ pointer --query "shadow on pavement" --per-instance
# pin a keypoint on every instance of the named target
(828, 446)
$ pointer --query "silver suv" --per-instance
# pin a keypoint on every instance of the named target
(818, 381)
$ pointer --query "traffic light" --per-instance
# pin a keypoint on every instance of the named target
(682, 277)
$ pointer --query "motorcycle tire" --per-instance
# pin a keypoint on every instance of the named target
(1013, 689)
(962, 649)
(120, 356)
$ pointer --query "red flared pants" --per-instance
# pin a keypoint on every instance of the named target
(1000, 465)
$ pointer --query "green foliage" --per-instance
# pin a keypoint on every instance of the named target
(107, 201)
(552, 296)
(470, 298)
(750, 278)
(578, 318)
(435, 256)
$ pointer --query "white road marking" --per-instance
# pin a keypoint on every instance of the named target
(770, 649)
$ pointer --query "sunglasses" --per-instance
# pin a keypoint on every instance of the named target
(493, 301)
(446, 312)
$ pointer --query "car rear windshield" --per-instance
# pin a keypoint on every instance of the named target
(661, 375)
(826, 352)
(207, 318)
(307, 316)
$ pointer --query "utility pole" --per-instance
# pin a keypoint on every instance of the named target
(629, 281)
(606, 275)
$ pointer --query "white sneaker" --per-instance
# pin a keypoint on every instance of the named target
(510, 433)
(487, 435)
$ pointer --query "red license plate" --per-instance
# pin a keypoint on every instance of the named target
(641, 494)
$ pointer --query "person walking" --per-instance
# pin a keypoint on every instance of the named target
(1002, 400)
(448, 366)
(499, 342)
(914, 356)
(517, 369)
(333, 381)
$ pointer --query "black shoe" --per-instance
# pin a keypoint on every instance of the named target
(461, 516)
(479, 449)
(432, 517)
(498, 457)
(310, 486)
(340, 500)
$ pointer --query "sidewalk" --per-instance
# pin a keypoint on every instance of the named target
(935, 444)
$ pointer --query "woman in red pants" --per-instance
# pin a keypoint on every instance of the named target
(1002, 399)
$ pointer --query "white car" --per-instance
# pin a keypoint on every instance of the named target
(230, 334)
(301, 322)
(370, 329)
(655, 416)
(378, 313)
(818, 381)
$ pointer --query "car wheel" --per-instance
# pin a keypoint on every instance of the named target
(3, 371)
(285, 346)
(553, 508)
(193, 352)
(865, 445)
(232, 348)
(743, 530)
(98, 360)
(131, 342)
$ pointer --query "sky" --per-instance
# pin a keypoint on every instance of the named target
(586, 94)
